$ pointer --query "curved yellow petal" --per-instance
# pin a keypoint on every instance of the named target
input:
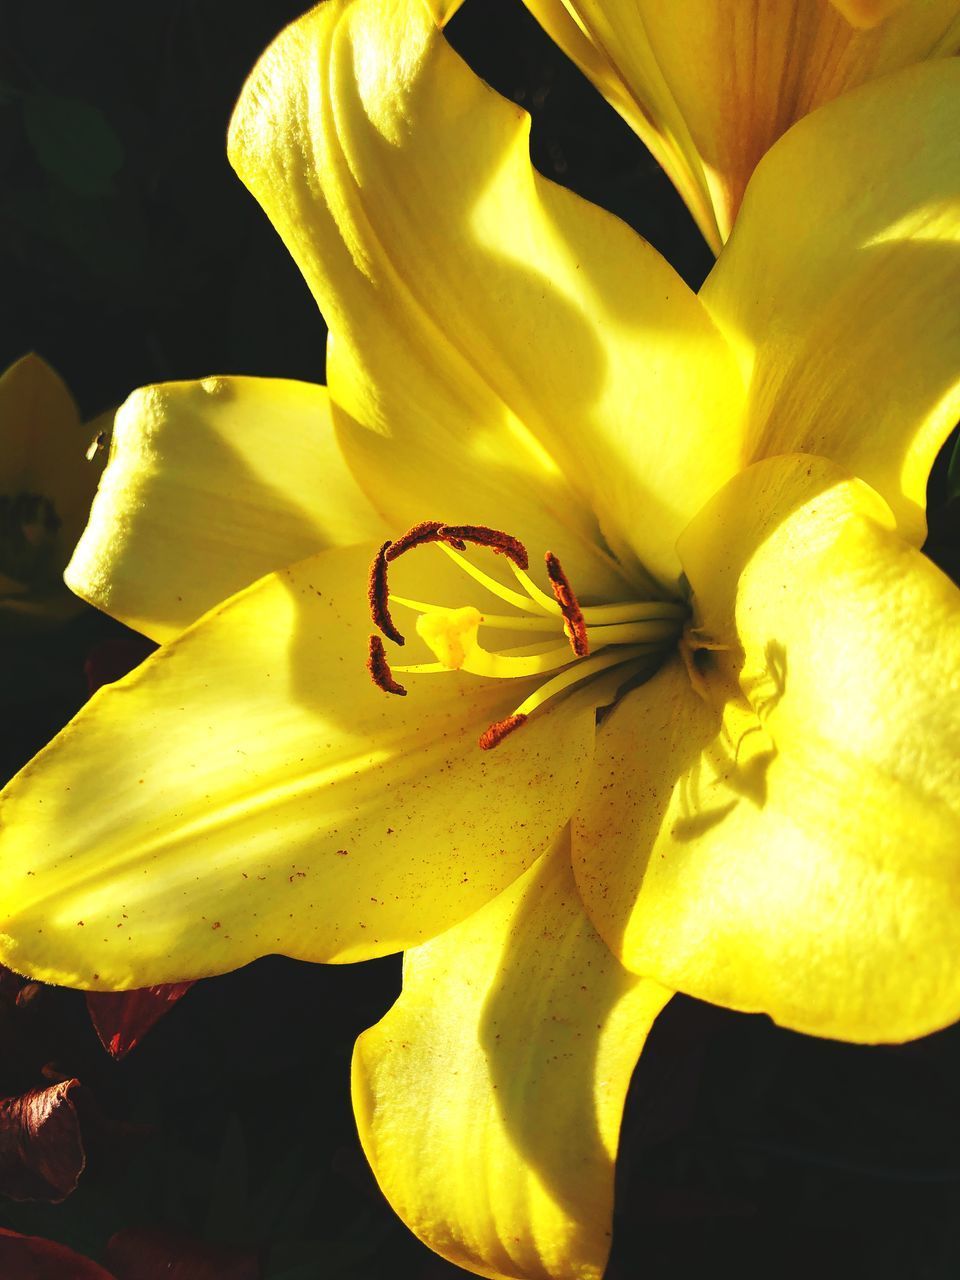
(46, 485)
(709, 85)
(840, 282)
(209, 486)
(612, 47)
(489, 1098)
(40, 427)
(47, 463)
(491, 332)
(790, 840)
(248, 790)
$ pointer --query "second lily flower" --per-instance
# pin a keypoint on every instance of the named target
(709, 85)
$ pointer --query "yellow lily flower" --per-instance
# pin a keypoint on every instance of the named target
(720, 755)
(46, 487)
(709, 85)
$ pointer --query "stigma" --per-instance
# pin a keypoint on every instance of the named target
(570, 643)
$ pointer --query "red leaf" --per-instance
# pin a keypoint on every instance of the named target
(41, 1150)
(122, 1018)
(30, 1258)
(147, 1253)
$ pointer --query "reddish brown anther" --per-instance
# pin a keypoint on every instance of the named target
(504, 544)
(576, 627)
(422, 533)
(379, 669)
(493, 736)
(378, 594)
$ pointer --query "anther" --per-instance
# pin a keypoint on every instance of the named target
(379, 668)
(422, 533)
(504, 544)
(493, 736)
(575, 626)
(378, 594)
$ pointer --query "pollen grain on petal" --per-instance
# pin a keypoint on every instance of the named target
(575, 626)
(378, 594)
(501, 729)
(379, 668)
(504, 544)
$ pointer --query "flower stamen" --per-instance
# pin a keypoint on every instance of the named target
(379, 669)
(632, 635)
(378, 595)
(455, 536)
(574, 674)
(503, 544)
(573, 621)
(525, 603)
(499, 730)
(421, 534)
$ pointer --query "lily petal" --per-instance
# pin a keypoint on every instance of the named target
(210, 485)
(443, 10)
(709, 85)
(248, 790)
(867, 13)
(42, 448)
(788, 840)
(40, 425)
(489, 1098)
(840, 283)
(472, 368)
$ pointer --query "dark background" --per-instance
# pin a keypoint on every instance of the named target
(130, 254)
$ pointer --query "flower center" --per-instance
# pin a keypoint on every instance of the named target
(572, 643)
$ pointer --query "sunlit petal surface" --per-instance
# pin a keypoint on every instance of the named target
(489, 1098)
(487, 326)
(709, 85)
(211, 485)
(840, 286)
(248, 790)
(787, 839)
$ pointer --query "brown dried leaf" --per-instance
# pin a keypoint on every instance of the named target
(41, 1148)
